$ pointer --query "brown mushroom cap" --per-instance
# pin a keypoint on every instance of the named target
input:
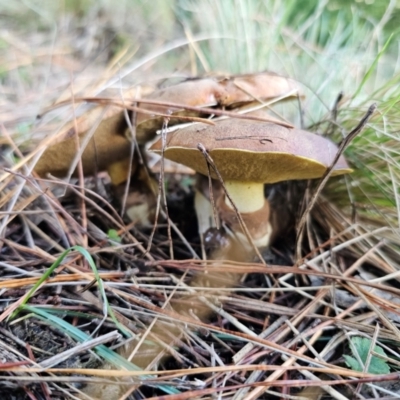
(101, 151)
(254, 151)
(230, 92)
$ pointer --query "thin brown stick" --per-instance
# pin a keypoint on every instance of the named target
(203, 110)
(81, 175)
(162, 194)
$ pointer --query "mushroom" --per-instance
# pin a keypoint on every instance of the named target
(101, 151)
(248, 155)
(207, 219)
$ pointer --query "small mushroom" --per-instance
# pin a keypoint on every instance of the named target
(248, 155)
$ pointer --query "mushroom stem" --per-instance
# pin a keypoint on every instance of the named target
(247, 196)
(253, 207)
(257, 223)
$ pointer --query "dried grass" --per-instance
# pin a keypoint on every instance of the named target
(243, 330)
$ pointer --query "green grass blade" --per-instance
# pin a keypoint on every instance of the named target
(108, 355)
(372, 67)
(107, 308)
(41, 280)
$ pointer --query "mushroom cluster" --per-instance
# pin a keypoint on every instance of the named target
(246, 153)
(109, 145)
(110, 141)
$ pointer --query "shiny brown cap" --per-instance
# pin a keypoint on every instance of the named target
(254, 151)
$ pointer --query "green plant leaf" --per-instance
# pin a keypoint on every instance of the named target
(352, 363)
(112, 234)
(362, 347)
